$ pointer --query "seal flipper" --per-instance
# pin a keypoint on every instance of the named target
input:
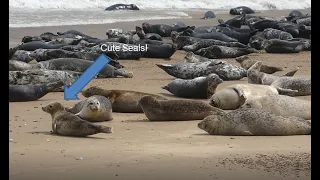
(123, 73)
(166, 88)
(291, 73)
(244, 133)
(242, 98)
(288, 92)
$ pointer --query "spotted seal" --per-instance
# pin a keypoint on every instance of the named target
(67, 124)
(217, 52)
(200, 87)
(293, 86)
(175, 110)
(254, 122)
(204, 43)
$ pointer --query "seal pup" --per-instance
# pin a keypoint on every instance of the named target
(80, 65)
(293, 86)
(176, 110)
(190, 57)
(15, 65)
(241, 10)
(22, 93)
(234, 96)
(208, 15)
(256, 77)
(281, 105)
(67, 124)
(254, 122)
(217, 52)
(223, 69)
(200, 87)
(122, 7)
(94, 109)
(246, 64)
(122, 100)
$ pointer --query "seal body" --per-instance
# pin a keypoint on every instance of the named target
(94, 109)
(217, 52)
(204, 43)
(22, 93)
(47, 54)
(21, 55)
(15, 65)
(33, 45)
(234, 96)
(283, 46)
(190, 57)
(209, 15)
(224, 70)
(200, 87)
(212, 35)
(241, 10)
(246, 64)
(122, 7)
(163, 30)
(122, 100)
(79, 65)
(254, 122)
(293, 86)
(175, 110)
(67, 124)
(281, 105)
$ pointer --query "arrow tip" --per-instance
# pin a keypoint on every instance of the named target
(69, 94)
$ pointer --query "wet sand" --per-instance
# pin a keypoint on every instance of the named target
(139, 149)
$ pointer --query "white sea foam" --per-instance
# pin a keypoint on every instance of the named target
(162, 4)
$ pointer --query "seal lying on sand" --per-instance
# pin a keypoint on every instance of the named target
(190, 57)
(67, 124)
(15, 65)
(200, 87)
(283, 46)
(122, 100)
(246, 64)
(204, 43)
(217, 52)
(256, 77)
(234, 96)
(254, 122)
(94, 109)
(293, 86)
(208, 15)
(79, 65)
(224, 70)
(21, 93)
(151, 36)
(42, 76)
(122, 7)
(241, 10)
(176, 110)
(33, 45)
(281, 105)
(213, 35)
(21, 55)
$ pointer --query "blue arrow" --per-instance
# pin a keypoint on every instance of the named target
(70, 93)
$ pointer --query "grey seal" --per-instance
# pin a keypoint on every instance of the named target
(282, 46)
(190, 57)
(67, 124)
(223, 69)
(122, 100)
(122, 7)
(255, 76)
(234, 96)
(241, 10)
(176, 110)
(33, 45)
(15, 65)
(204, 43)
(94, 109)
(213, 35)
(246, 63)
(209, 15)
(43, 76)
(21, 55)
(79, 65)
(22, 93)
(270, 33)
(281, 105)
(200, 87)
(217, 52)
(293, 86)
(254, 122)
(152, 36)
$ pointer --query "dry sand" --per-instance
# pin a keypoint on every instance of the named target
(144, 150)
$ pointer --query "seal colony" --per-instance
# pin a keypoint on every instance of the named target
(265, 106)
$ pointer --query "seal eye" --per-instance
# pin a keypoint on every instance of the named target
(50, 106)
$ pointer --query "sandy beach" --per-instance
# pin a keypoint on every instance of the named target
(143, 150)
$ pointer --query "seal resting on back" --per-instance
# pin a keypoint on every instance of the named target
(67, 124)
(254, 122)
(200, 87)
(175, 110)
(22, 93)
(223, 69)
(234, 96)
(293, 86)
(122, 100)
(94, 109)
(281, 105)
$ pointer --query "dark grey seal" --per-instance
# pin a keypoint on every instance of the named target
(199, 88)
(224, 70)
(295, 13)
(122, 7)
(213, 35)
(21, 93)
(163, 30)
(79, 65)
(164, 50)
(209, 15)
(283, 46)
(152, 36)
(33, 45)
(204, 43)
(217, 52)
(241, 10)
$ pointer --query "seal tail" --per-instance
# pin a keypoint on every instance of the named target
(165, 87)
(291, 73)
(105, 129)
(165, 66)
